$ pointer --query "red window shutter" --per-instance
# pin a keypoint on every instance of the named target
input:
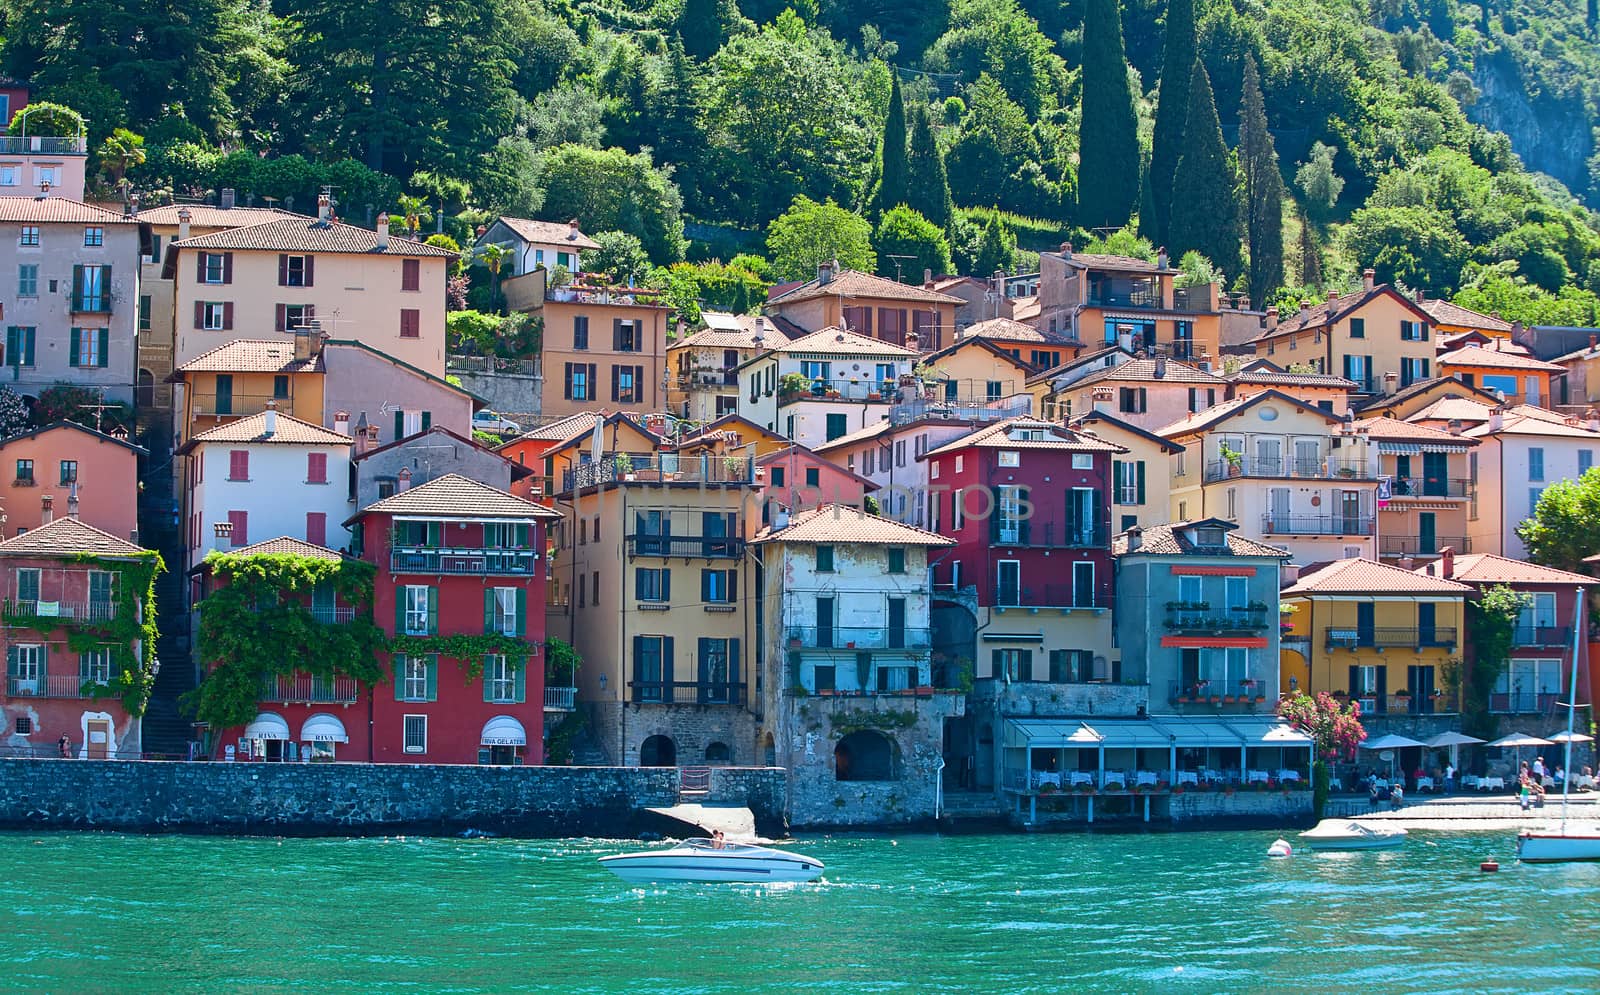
(281, 317)
(199, 267)
(283, 270)
(311, 262)
(317, 528)
(411, 274)
(239, 464)
(317, 468)
(227, 316)
(410, 323)
(240, 520)
(199, 314)
(227, 267)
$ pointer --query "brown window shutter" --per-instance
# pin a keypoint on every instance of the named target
(566, 383)
(227, 267)
(311, 270)
(410, 274)
(283, 273)
(594, 392)
(199, 267)
(616, 375)
(227, 316)
(638, 384)
(199, 314)
(281, 320)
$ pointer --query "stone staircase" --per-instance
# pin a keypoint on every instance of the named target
(587, 751)
(166, 730)
(963, 805)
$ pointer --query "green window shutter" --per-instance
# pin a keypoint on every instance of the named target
(400, 609)
(488, 609)
(705, 587)
(666, 583)
(666, 659)
(733, 661)
(30, 333)
(105, 288)
(83, 666)
(522, 612)
(72, 347)
(436, 534)
(399, 425)
(1139, 473)
(77, 287)
(399, 678)
(433, 610)
(521, 692)
(12, 347)
(44, 663)
(638, 651)
(427, 420)
(1116, 477)
(488, 661)
(104, 356)
(433, 677)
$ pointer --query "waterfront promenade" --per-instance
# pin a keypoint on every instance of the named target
(1468, 812)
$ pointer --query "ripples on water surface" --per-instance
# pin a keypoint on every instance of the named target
(1193, 912)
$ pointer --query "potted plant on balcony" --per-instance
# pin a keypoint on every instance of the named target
(624, 465)
(1234, 459)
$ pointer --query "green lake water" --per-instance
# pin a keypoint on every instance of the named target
(1201, 912)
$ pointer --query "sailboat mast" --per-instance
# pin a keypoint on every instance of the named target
(1579, 624)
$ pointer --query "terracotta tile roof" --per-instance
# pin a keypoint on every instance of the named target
(561, 429)
(1086, 422)
(290, 545)
(1085, 359)
(1202, 420)
(295, 234)
(72, 426)
(1453, 408)
(253, 356)
(1172, 540)
(1363, 576)
(839, 342)
(1487, 568)
(1005, 328)
(1450, 385)
(712, 431)
(1522, 420)
(853, 283)
(1325, 313)
(838, 523)
(290, 431)
(68, 537)
(1478, 356)
(550, 232)
(1269, 374)
(858, 436)
(1057, 436)
(1026, 308)
(211, 216)
(1445, 313)
(1123, 264)
(741, 334)
(45, 210)
(1394, 430)
(1146, 370)
(455, 496)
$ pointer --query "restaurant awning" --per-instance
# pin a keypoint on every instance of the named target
(267, 725)
(323, 728)
(1265, 732)
(1135, 735)
(503, 730)
(1196, 733)
(1050, 734)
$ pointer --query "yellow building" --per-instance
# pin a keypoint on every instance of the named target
(243, 377)
(1141, 480)
(1404, 404)
(734, 435)
(976, 370)
(1376, 337)
(702, 369)
(1024, 342)
(603, 347)
(618, 433)
(1373, 633)
(1326, 391)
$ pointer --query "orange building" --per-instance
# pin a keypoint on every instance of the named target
(1102, 300)
(603, 346)
(1522, 379)
(529, 449)
(869, 305)
(68, 469)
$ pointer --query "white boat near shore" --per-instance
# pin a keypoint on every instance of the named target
(1567, 842)
(703, 860)
(1349, 834)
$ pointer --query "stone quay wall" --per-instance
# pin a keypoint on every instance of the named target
(363, 799)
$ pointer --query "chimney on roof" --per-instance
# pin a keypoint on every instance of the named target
(1161, 367)
(1594, 340)
(307, 340)
(1161, 258)
(825, 272)
(1408, 562)
(324, 207)
(402, 479)
(341, 422)
(72, 500)
(184, 215)
(227, 198)
(1369, 278)
(1422, 297)
(1391, 382)
(1497, 418)
(1066, 250)
(360, 435)
(1591, 420)
(46, 509)
(1453, 426)
(1447, 562)
(1272, 317)
(927, 278)
(913, 341)
(383, 230)
(572, 230)
(222, 536)
(1100, 400)
(1135, 538)
(1333, 295)
(269, 419)
(1304, 304)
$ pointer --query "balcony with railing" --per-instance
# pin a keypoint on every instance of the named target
(1317, 525)
(309, 689)
(858, 638)
(663, 468)
(844, 389)
(67, 611)
(43, 145)
(685, 693)
(332, 615)
(237, 405)
(1533, 636)
(1046, 535)
(1064, 597)
(1207, 621)
(1430, 488)
(47, 686)
(706, 380)
(1287, 469)
(976, 409)
(1392, 637)
(688, 547)
(560, 699)
(1413, 545)
(471, 560)
(1240, 696)
(1524, 702)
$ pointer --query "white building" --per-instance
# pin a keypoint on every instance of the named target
(838, 383)
(266, 476)
(533, 244)
(888, 452)
(1521, 452)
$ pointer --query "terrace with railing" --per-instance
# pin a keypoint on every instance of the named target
(688, 547)
(1406, 488)
(1287, 469)
(685, 693)
(1418, 545)
(68, 611)
(1243, 696)
(309, 689)
(47, 686)
(1554, 636)
(861, 389)
(469, 560)
(971, 409)
(237, 405)
(1391, 637)
(1058, 596)
(1195, 620)
(1317, 525)
(43, 145)
(858, 638)
(1046, 535)
(332, 615)
(560, 699)
(662, 468)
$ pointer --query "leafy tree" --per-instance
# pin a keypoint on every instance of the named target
(446, 242)
(700, 25)
(1335, 731)
(471, 333)
(1172, 112)
(997, 250)
(680, 289)
(732, 287)
(621, 257)
(121, 151)
(493, 258)
(1108, 143)
(904, 232)
(1515, 299)
(1262, 187)
(1565, 526)
(927, 185)
(607, 189)
(1310, 255)
(1491, 618)
(996, 37)
(505, 179)
(993, 150)
(1122, 242)
(1318, 181)
(809, 233)
(893, 167)
(1413, 245)
(69, 402)
(1195, 270)
(42, 118)
(1205, 214)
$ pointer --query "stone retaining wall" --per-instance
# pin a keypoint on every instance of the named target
(361, 799)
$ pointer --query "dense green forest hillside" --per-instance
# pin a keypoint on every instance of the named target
(1289, 142)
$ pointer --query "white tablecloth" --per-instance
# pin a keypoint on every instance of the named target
(1042, 778)
(1491, 783)
(1147, 777)
(1424, 782)
(1114, 777)
(1288, 775)
(1257, 775)
(1081, 777)
(1188, 777)
(1470, 780)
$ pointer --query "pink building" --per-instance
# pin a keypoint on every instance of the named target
(66, 468)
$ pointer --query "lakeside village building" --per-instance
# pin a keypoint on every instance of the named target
(1043, 546)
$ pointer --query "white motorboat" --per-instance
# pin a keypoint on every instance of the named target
(1563, 843)
(1348, 834)
(703, 860)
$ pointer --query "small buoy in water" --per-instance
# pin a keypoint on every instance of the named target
(1280, 848)
(1489, 866)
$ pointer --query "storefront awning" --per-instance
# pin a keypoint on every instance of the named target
(1265, 732)
(267, 725)
(323, 728)
(503, 730)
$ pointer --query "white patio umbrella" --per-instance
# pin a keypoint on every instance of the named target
(1454, 740)
(1390, 742)
(1518, 740)
(1574, 737)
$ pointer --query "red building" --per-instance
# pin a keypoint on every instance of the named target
(61, 582)
(1028, 503)
(458, 558)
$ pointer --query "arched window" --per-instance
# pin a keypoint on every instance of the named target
(658, 751)
(866, 755)
(718, 753)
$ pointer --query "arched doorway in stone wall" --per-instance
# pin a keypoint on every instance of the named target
(658, 751)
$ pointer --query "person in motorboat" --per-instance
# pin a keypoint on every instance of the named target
(718, 841)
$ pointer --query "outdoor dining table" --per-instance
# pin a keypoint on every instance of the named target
(1425, 783)
(1257, 775)
(1491, 783)
(1288, 775)
(1042, 778)
(1188, 777)
(1082, 777)
(1146, 777)
(1114, 777)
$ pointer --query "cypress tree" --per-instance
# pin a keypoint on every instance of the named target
(1310, 255)
(1205, 213)
(700, 26)
(892, 154)
(1172, 110)
(1263, 191)
(927, 184)
(1108, 140)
